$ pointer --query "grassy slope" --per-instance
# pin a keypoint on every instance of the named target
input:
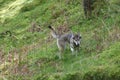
(38, 59)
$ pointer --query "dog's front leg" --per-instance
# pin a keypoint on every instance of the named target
(77, 50)
(72, 50)
(76, 53)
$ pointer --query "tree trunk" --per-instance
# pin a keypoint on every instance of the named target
(87, 4)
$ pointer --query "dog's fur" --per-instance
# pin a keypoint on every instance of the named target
(70, 38)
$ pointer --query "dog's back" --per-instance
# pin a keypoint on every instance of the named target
(66, 37)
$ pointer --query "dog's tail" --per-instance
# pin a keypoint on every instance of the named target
(53, 32)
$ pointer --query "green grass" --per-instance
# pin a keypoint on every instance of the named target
(104, 65)
(33, 56)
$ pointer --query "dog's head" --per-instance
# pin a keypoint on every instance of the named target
(77, 39)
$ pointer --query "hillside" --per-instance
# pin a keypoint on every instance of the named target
(28, 51)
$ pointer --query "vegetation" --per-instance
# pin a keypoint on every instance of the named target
(28, 52)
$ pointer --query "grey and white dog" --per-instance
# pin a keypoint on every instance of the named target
(73, 40)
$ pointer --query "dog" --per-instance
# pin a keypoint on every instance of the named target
(74, 40)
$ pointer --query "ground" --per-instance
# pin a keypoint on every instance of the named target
(30, 52)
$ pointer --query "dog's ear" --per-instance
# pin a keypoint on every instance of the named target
(79, 35)
(72, 34)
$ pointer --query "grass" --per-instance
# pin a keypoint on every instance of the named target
(93, 67)
(28, 55)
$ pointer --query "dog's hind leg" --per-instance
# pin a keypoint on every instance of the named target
(61, 47)
(61, 50)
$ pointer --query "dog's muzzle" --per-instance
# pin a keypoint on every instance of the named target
(76, 44)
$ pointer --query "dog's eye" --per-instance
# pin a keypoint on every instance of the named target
(80, 37)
